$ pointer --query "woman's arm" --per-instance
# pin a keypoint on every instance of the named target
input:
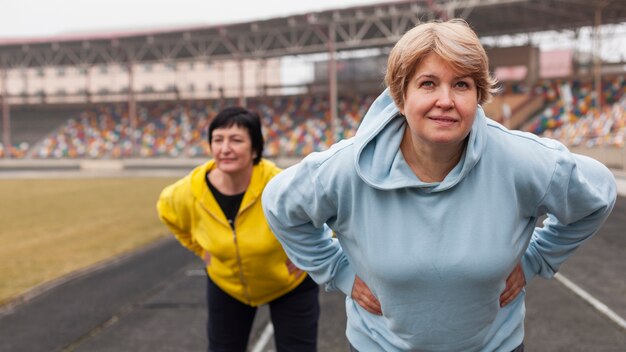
(578, 200)
(173, 210)
(297, 207)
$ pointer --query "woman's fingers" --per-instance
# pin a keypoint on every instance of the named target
(365, 298)
(206, 257)
(293, 269)
(514, 285)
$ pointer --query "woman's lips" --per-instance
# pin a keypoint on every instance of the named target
(443, 120)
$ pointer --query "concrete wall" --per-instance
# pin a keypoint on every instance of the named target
(614, 158)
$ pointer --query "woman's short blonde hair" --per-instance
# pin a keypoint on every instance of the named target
(454, 41)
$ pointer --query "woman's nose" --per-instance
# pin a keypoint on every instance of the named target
(226, 146)
(445, 100)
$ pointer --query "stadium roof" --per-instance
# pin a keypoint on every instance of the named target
(370, 26)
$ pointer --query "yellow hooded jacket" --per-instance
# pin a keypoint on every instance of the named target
(248, 262)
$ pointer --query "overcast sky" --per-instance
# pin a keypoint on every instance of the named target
(42, 18)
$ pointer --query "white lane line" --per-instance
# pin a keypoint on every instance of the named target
(266, 335)
(601, 307)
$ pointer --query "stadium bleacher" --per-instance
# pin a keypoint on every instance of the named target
(295, 125)
(30, 125)
(579, 122)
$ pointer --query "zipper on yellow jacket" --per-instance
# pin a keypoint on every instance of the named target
(244, 282)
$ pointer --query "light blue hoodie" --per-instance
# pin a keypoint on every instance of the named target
(436, 255)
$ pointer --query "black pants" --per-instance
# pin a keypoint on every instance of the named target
(294, 317)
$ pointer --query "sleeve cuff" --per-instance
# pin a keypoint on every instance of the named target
(527, 268)
(344, 280)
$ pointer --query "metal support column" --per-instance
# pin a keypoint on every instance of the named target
(132, 103)
(87, 69)
(597, 56)
(6, 117)
(242, 95)
(332, 83)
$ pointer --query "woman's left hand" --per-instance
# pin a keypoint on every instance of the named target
(514, 285)
(293, 269)
(362, 295)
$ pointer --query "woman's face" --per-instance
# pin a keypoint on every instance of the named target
(439, 105)
(232, 149)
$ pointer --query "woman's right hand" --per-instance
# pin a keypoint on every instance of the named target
(206, 257)
(293, 269)
(362, 295)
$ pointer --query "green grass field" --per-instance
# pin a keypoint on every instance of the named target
(52, 227)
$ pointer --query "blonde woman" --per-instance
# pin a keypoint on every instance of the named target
(434, 206)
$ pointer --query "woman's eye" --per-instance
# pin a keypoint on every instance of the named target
(462, 84)
(427, 84)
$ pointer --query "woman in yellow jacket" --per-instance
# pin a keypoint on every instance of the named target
(215, 211)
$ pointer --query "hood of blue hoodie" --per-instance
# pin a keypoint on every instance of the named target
(379, 161)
